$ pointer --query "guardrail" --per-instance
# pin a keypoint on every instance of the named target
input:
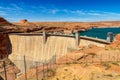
(62, 35)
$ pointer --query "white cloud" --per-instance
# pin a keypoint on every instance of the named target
(11, 7)
(67, 14)
(53, 11)
(94, 14)
(3, 13)
(15, 6)
(79, 12)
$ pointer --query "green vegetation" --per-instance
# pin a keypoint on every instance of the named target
(106, 65)
(86, 64)
(109, 75)
(92, 54)
(113, 48)
(115, 63)
(57, 78)
(50, 72)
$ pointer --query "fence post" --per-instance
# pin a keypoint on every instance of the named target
(43, 72)
(75, 58)
(84, 58)
(65, 58)
(109, 60)
(36, 70)
(101, 58)
(117, 57)
(92, 58)
(5, 70)
(92, 76)
(47, 69)
(25, 66)
(55, 58)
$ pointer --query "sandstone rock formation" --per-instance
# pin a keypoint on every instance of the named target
(4, 22)
(24, 21)
(11, 70)
(5, 45)
(116, 42)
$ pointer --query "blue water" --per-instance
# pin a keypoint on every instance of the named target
(100, 32)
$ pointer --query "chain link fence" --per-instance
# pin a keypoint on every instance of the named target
(26, 69)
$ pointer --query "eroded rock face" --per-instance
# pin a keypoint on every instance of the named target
(117, 37)
(5, 46)
(115, 43)
(4, 22)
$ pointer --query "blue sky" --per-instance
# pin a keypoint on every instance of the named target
(60, 10)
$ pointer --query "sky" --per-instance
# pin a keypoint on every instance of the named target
(60, 10)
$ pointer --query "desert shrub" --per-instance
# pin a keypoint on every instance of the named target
(109, 75)
(106, 49)
(50, 72)
(74, 62)
(115, 63)
(86, 64)
(92, 54)
(106, 65)
(57, 78)
(112, 48)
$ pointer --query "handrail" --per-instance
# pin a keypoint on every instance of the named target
(62, 35)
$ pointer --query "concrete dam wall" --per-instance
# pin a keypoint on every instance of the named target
(35, 48)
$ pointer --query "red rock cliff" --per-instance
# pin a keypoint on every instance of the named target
(5, 46)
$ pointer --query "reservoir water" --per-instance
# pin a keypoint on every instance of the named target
(100, 32)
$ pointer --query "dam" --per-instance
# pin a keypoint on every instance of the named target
(32, 45)
(45, 48)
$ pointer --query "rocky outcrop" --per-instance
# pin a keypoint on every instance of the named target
(117, 38)
(115, 44)
(11, 70)
(24, 21)
(4, 22)
(5, 46)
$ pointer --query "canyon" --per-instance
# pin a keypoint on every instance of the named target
(50, 42)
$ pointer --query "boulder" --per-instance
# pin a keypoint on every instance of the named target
(24, 21)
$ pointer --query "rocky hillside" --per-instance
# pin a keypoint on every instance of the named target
(4, 22)
(74, 24)
(88, 63)
(5, 46)
(36, 27)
